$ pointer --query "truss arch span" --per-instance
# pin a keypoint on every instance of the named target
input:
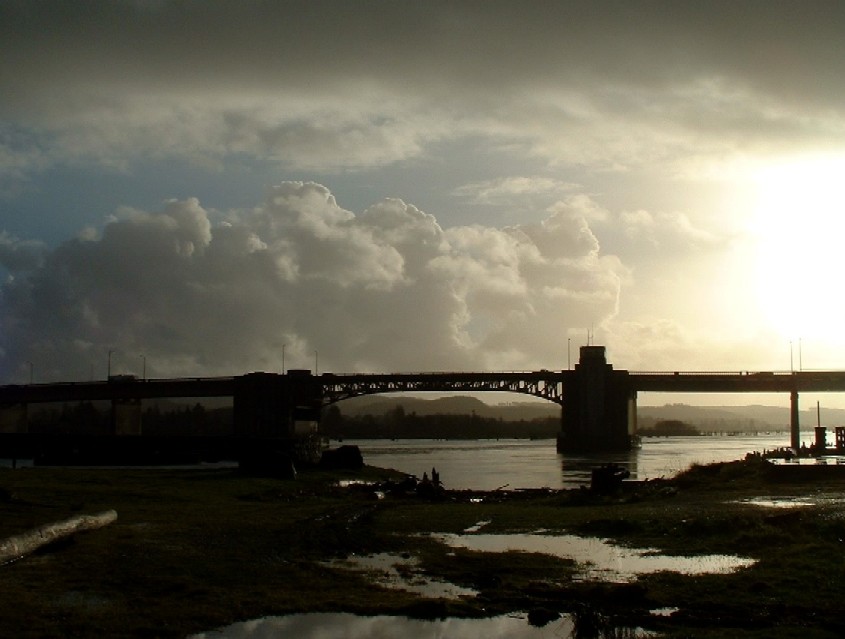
(546, 385)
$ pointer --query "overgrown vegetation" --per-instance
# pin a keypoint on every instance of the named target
(197, 549)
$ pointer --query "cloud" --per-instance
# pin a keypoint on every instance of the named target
(672, 232)
(507, 190)
(386, 289)
(20, 255)
(326, 85)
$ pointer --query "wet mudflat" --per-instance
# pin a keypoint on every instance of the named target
(195, 551)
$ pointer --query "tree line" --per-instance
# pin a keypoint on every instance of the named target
(399, 424)
(90, 418)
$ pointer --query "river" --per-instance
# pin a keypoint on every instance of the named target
(511, 464)
(519, 463)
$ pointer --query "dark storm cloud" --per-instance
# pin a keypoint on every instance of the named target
(362, 84)
(777, 45)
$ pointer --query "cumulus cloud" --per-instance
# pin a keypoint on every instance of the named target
(385, 289)
(666, 231)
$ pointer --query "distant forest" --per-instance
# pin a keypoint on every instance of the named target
(185, 419)
(396, 423)
(455, 417)
(90, 418)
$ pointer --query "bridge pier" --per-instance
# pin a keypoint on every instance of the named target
(794, 425)
(126, 416)
(599, 406)
(268, 405)
(14, 418)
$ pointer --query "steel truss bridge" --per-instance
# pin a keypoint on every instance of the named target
(543, 384)
(548, 385)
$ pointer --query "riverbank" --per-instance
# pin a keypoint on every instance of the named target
(194, 550)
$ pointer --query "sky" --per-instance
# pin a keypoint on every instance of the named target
(211, 188)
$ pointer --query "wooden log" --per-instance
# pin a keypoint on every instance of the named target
(19, 546)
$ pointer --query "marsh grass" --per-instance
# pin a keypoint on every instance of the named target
(197, 549)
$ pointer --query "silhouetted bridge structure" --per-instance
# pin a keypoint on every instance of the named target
(598, 403)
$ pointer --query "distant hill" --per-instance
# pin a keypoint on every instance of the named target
(455, 405)
(754, 418)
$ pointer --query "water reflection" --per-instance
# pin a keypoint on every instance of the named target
(599, 559)
(777, 502)
(349, 626)
(401, 571)
(578, 469)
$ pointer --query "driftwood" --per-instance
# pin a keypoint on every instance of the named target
(19, 546)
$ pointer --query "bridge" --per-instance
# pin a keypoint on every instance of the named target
(598, 403)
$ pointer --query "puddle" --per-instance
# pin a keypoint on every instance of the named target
(663, 612)
(401, 572)
(348, 483)
(777, 502)
(475, 528)
(796, 501)
(599, 560)
(349, 626)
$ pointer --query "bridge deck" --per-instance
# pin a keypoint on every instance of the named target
(545, 384)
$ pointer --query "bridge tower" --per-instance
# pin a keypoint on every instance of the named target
(599, 406)
(272, 406)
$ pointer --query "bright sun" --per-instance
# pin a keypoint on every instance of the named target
(800, 230)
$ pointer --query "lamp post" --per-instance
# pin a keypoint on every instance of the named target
(144, 367)
(108, 366)
(284, 346)
(316, 367)
(791, 367)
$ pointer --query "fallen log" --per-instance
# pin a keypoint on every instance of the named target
(19, 546)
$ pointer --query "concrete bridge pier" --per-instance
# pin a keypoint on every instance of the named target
(599, 406)
(126, 416)
(14, 418)
(268, 405)
(794, 425)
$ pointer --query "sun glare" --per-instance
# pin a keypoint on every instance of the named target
(800, 231)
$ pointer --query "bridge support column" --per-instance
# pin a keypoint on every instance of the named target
(267, 405)
(126, 416)
(632, 415)
(794, 425)
(599, 406)
(13, 418)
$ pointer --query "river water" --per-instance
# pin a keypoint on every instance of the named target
(519, 463)
(512, 464)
